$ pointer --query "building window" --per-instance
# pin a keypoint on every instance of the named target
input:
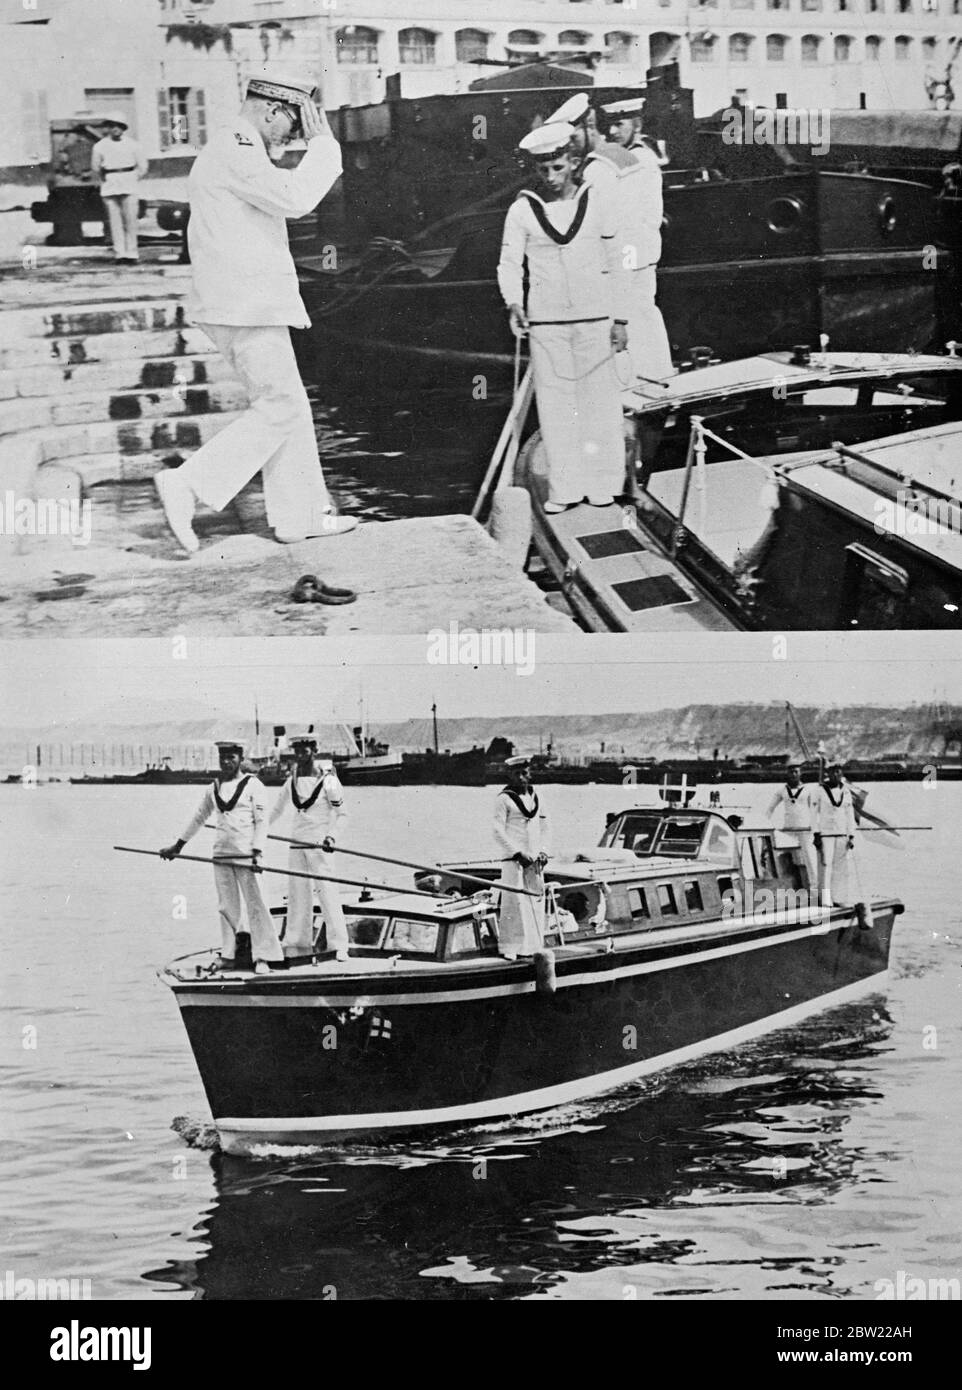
(707, 4)
(903, 48)
(843, 48)
(775, 47)
(811, 4)
(740, 48)
(703, 48)
(875, 6)
(470, 45)
(416, 46)
(182, 117)
(929, 50)
(810, 46)
(619, 47)
(742, 4)
(663, 48)
(841, 5)
(777, 4)
(525, 38)
(903, 6)
(356, 44)
(873, 48)
(573, 38)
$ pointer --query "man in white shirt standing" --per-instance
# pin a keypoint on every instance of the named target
(117, 161)
(240, 814)
(835, 836)
(519, 832)
(796, 802)
(640, 188)
(246, 298)
(315, 796)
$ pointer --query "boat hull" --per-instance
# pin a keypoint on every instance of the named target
(311, 1061)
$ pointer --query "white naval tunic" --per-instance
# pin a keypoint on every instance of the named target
(797, 806)
(313, 823)
(246, 298)
(521, 923)
(575, 287)
(240, 830)
(641, 200)
(835, 822)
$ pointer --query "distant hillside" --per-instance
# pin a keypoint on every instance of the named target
(733, 730)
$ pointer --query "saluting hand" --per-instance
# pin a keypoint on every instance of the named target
(518, 320)
(313, 121)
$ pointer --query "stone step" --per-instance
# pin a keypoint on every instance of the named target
(101, 407)
(198, 369)
(142, 446)
(104, 347)
(76, 320)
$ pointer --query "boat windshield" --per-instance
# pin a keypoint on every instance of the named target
(655, 833)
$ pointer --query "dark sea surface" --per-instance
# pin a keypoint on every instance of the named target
(808, 1165)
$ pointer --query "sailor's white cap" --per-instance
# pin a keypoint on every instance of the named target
(229, 745)
(299, 740)
(574, 109)
(116, 118)
(519, 760)
(631, 106)
(547, 139)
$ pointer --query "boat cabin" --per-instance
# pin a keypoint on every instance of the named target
(826, 494)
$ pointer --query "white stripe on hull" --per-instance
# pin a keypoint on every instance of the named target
(208, 999)
(239, 1136)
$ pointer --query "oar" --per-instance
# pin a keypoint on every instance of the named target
(506, 449)
(410, 864)
(286, 873)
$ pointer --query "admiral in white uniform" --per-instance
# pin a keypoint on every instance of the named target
(238, 806)
(245, 297)
(641, 193)
(566, 238)
(315, 797)
(835, 836)
(520, 834)
(796, 801)
(118, 162)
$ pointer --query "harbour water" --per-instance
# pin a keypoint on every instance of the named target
(816, 1163)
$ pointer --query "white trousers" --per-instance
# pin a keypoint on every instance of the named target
(648, 344)
(233, 886)
(274, 436)
(579, 410)
(803, 842)
(521, 921)
(836, 865)
(299, 932)
(122, 221)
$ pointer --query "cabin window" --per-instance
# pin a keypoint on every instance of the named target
(693, 896)
(726, 891)
(366, 931)
(873, 591)
(462, 939)
(666, 900)
(749, 867)
(765, 858)
(681, 837)
(417, 938)
(720, 843)
(638, 905)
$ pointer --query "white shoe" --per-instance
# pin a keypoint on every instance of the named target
(552, 508)
(599, 501)
(342, 955)
(331, 525)
(177, 501)
(261, 968)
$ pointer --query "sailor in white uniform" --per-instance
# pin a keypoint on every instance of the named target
(796, 802)
(238, 806)
(520, 834)
(835, 837)
(314, 795)
(566, 238)
(245, 297)
(119, 164)
(640, 188)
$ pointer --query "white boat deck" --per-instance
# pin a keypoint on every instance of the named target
(730, 507)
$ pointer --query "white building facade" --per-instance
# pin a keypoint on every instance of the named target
(177, 67)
